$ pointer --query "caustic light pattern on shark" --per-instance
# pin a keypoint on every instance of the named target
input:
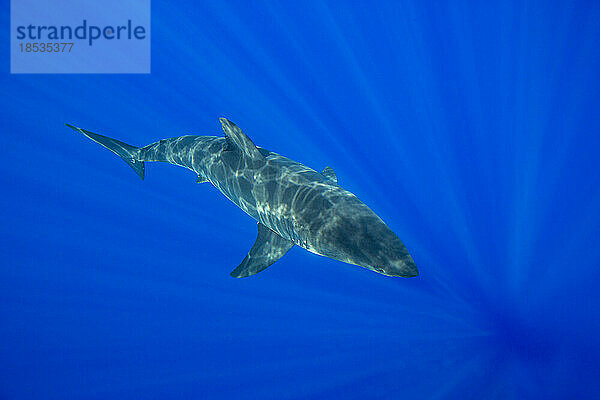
(293, 204)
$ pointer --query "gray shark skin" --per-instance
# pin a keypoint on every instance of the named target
(293, 204)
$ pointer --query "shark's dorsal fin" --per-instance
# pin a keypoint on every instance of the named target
(238, 139)
(268, 248)
(329, 173)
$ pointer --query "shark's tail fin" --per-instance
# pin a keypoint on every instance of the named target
(129, 154)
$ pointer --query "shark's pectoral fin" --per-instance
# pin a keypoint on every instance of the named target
(268, 248)
(329, 173)
(239, 140)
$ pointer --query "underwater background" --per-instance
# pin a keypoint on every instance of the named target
(471, 128)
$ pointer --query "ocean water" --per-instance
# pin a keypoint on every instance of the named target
(472, 129)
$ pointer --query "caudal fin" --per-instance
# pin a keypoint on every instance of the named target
(128, 153)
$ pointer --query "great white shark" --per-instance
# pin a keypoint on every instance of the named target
(293, 204)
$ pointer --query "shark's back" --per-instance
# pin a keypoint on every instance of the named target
(276, 194)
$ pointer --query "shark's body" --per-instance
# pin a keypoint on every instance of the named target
(293, 204)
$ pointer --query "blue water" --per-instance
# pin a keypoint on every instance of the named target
(471, 129)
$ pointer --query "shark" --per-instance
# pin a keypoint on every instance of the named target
(293, 204)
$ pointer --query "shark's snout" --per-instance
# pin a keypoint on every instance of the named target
(360, 237)
(405, 268)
